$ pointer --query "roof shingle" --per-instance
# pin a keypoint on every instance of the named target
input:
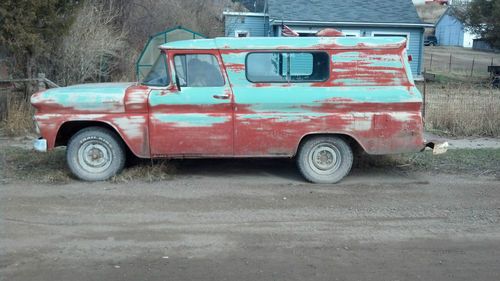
(369, 11)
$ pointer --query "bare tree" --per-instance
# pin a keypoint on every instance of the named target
(93, 46)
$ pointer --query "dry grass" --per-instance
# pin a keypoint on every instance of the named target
(149, 171)
(463, 109)
(20, 164)
(18, 116)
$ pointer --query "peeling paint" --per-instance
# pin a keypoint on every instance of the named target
(370, 96)
(191, 119)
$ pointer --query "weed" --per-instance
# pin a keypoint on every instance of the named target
(18, 116)
(147, 170)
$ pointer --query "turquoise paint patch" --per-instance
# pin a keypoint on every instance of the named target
(373, 41)
(346, 57)
(208, 44)
(386, 63)
(89, 97)
(190, 119)
(272, 43)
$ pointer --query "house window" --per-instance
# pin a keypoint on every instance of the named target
(351, 33)
(198, 71)
(287, 67)
(242, 33)
(393, 34)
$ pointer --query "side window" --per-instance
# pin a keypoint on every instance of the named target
(301, 64)
(266, 67)
(158, 75)
(287, 67)
(198, 71)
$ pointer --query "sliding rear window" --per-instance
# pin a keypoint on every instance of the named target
(285, 67)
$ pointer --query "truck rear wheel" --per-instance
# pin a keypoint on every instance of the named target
(95, 154)
(325, 159)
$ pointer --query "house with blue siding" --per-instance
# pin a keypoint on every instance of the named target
(450, 31)
(357, 18)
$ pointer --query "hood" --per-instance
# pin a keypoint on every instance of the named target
(83, 98)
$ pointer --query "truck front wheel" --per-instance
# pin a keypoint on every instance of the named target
(325, 159)
(95, 154)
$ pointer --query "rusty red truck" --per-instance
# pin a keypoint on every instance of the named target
(315, 99)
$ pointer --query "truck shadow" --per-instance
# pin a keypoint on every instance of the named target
(364, 167)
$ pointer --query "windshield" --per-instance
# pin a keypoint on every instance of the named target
(158, 75)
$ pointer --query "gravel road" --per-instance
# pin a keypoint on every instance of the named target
(253, 220)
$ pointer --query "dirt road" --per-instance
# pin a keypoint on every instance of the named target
(254, 220)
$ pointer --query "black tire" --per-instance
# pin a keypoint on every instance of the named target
(325, 159)
(95, 154)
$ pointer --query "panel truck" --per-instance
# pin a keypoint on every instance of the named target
(314, 99)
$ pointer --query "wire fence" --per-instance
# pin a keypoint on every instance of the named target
(472, 64)
(464, 109)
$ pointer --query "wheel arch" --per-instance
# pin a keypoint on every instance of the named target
(70, 128)
(352, 141)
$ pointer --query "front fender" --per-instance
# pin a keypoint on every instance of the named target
(132, 128)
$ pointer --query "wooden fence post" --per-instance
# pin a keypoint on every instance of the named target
(423, 97)
(449, 66)
(472, 68)
(41, 83)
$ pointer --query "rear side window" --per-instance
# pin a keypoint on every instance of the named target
(287, 67)
(198, 71)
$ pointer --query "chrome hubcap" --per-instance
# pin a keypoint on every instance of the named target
(94, 156)
(324, 158)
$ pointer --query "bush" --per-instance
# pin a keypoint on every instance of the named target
(18, 115)
(93, 47)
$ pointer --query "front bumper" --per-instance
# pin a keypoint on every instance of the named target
(40, 145)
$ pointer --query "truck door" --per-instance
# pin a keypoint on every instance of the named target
(194, 115)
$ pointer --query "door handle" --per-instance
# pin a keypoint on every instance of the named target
(221, 97)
